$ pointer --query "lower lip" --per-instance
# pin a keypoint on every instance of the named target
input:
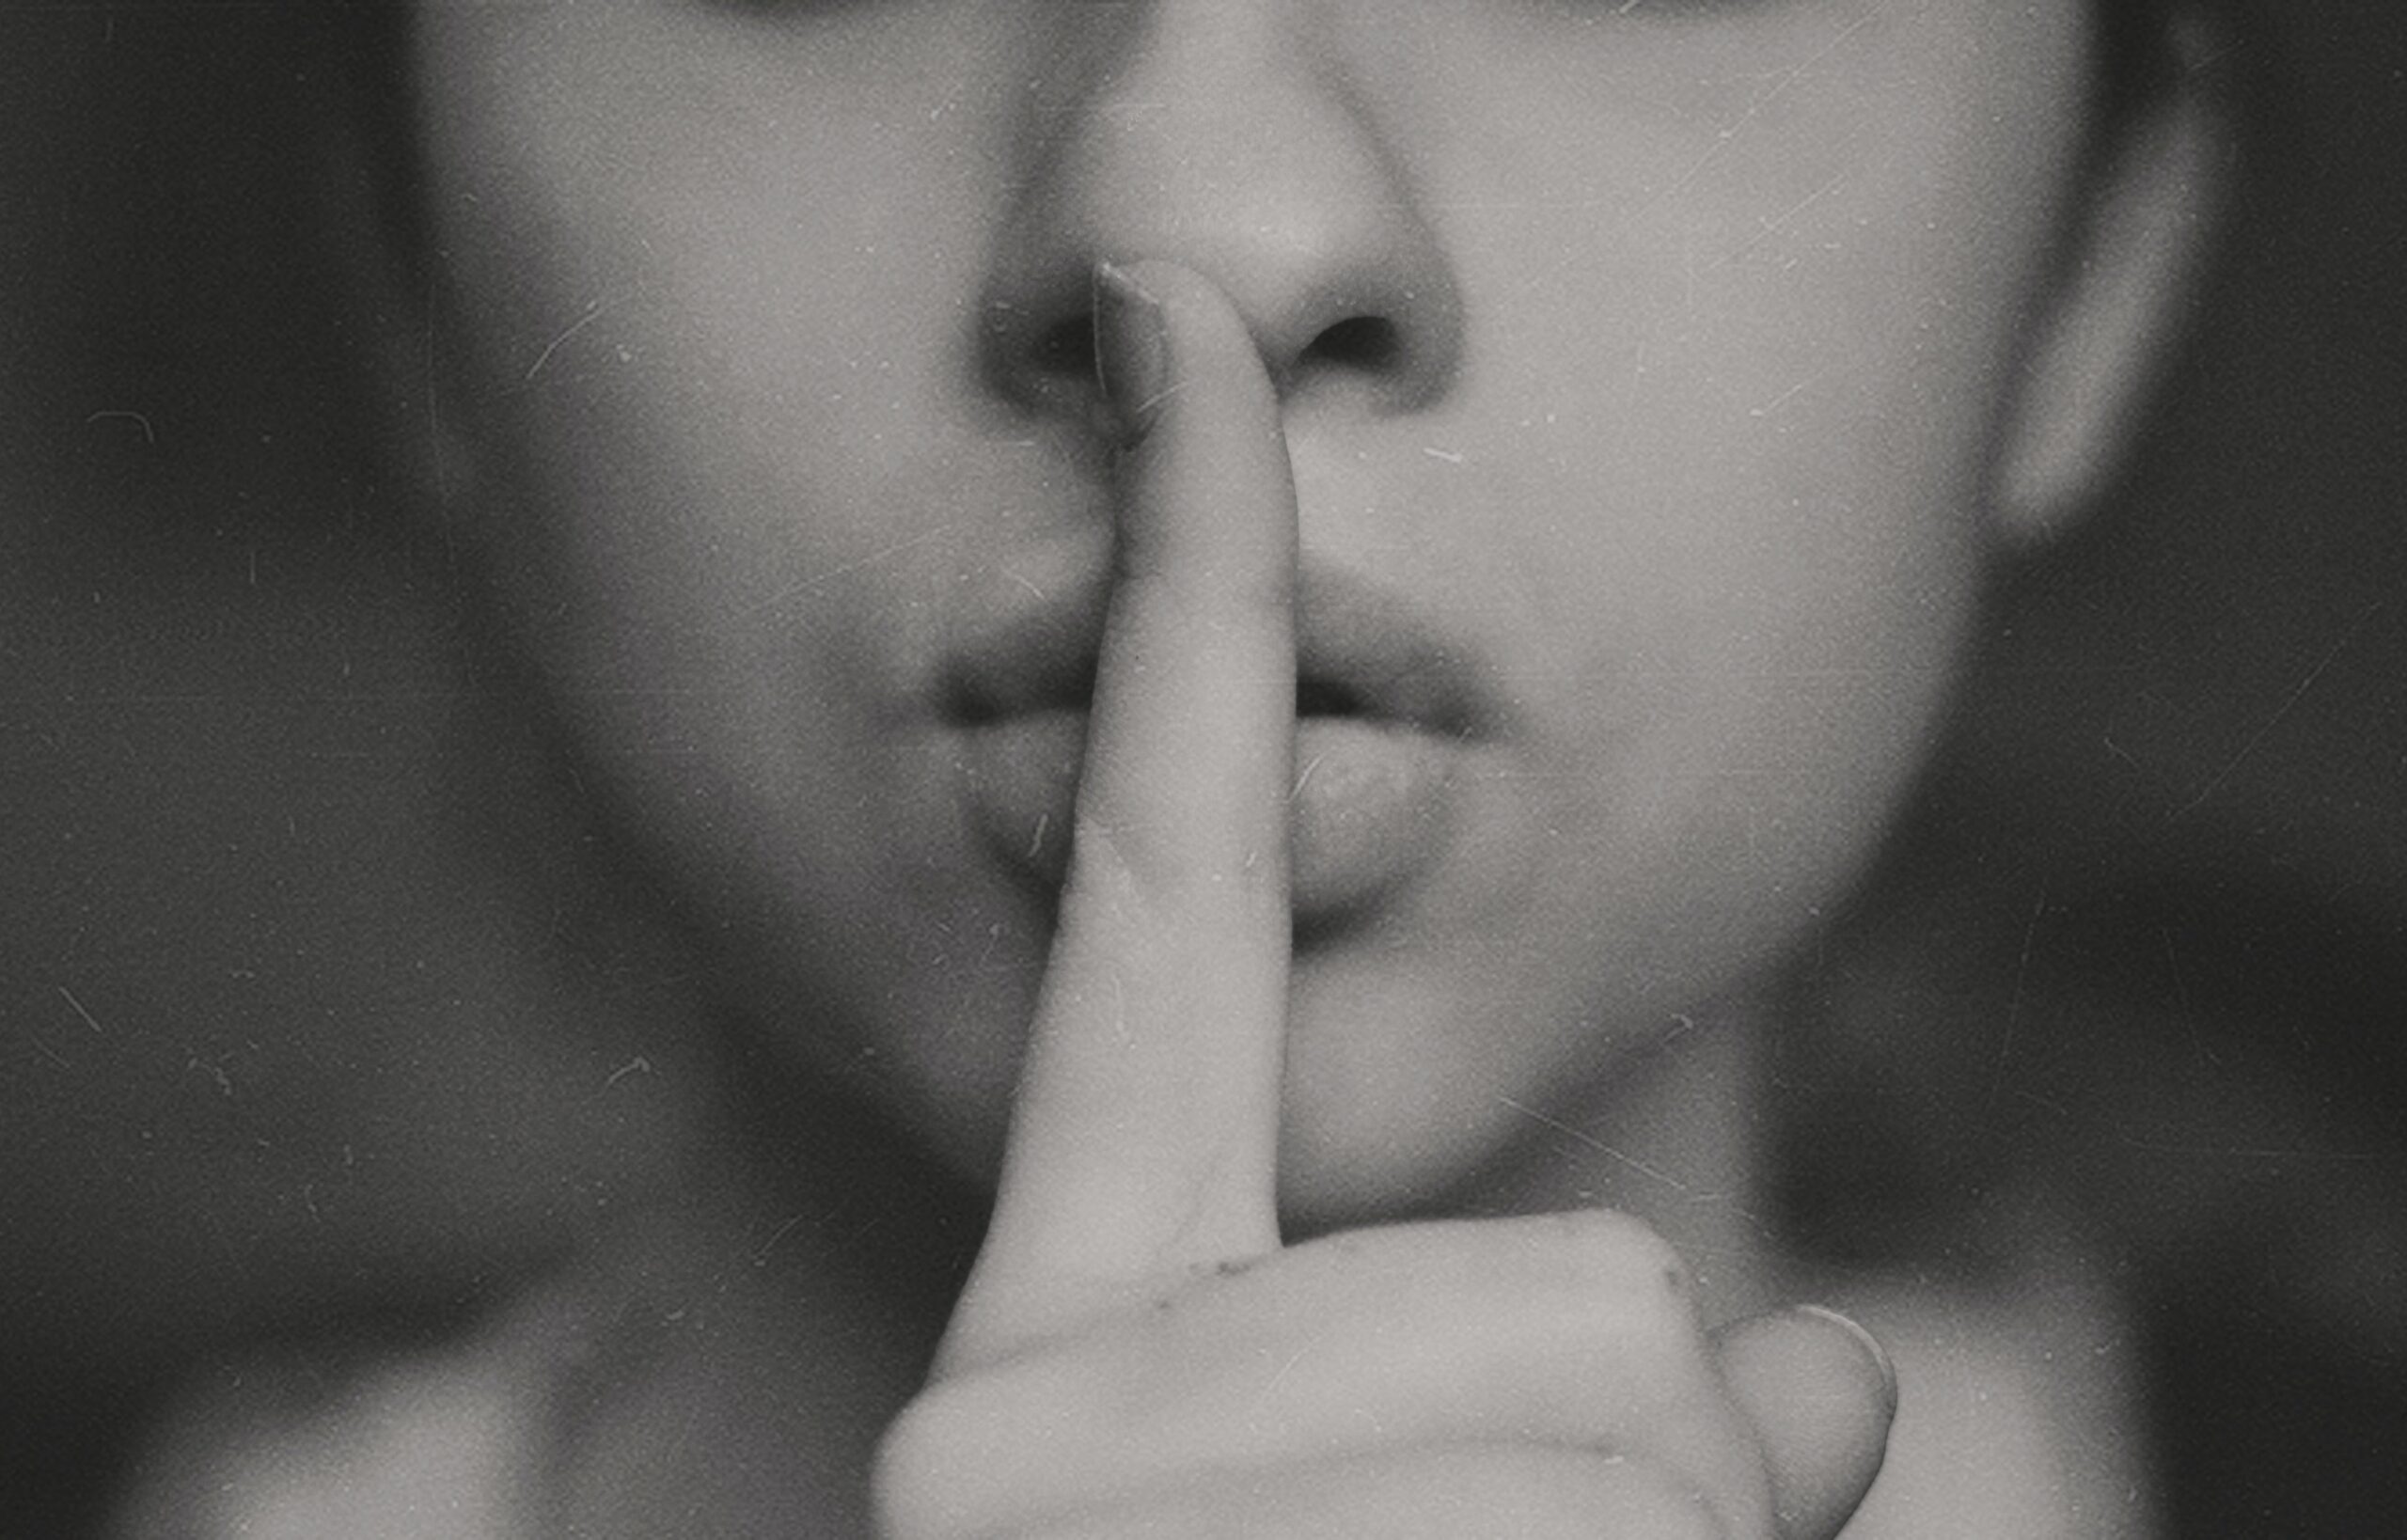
(1372, 810)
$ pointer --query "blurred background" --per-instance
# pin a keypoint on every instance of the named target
(304, 1015)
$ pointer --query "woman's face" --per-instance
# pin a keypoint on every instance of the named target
(1641, 360)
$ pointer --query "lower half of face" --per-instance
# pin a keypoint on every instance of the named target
(1618, 638)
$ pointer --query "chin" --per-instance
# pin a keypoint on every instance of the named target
(1353, 1171)
(1400, 1095)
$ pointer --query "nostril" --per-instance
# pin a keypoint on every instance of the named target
(1325, 698)
(1364, 344)
(1065, 350)
(1047, 364)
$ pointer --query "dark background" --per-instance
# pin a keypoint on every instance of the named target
(300, 1013)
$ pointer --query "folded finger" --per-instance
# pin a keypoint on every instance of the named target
(1458, 1492)
(1572, 1331)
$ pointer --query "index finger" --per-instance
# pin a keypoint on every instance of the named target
(1144, 1136)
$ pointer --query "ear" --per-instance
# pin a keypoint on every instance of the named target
(2118, 296)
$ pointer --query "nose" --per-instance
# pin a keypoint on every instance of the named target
(1227, 135)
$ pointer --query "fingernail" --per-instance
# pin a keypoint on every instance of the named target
(1864, 1339)
(1132, 351)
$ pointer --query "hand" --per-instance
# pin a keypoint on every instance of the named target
(1136, 1354)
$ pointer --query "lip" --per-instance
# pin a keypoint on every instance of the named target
(1387, 709)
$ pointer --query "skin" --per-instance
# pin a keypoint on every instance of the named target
(1546, 1376)
(1703, 346)
(1664, 399)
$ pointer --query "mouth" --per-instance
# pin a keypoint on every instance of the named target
(1387, 709)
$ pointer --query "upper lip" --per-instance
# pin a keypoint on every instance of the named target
(1360, 650)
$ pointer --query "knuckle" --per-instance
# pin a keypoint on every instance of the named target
(976, 1456)
(1623, 1252)
(898, 1472)
(1623, 1317)
(1624, 1274)
(914, 1470)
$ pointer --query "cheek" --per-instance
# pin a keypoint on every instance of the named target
(1743, 477)
(718, 483)
(1760, 618)
(719, 501)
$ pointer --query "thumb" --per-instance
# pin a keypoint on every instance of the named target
(1819, 1391)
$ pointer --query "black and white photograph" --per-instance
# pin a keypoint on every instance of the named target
(1202, 769)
